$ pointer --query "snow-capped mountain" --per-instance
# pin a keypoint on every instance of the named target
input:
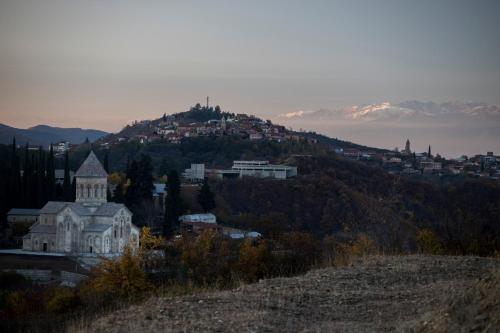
(387, 111)
(452, 128)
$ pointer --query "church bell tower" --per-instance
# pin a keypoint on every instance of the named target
(91, 182)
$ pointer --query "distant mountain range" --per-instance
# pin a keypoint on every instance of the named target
(452, 128)
(45, 135)
(409, 110)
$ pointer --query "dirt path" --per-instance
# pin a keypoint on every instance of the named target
(376, 294)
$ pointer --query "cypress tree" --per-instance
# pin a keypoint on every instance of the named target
(173, 204)
(41, 183)
(33, 183)
(26, 178)
(206, 198)
(118, 195)
(15, 178)
(67, 188)
(51, 178)
(73, 190)
(106, 162)
(132, 195)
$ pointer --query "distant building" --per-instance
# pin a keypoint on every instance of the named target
(234, 233)
(204, 218)
(407, 149)
(195, 174)
(255, 136)
(23, 215)
(197, 223)
(352, 153)
(429, 166)
(59, 174)
(159, 195)
(61, 147)
(263, 169)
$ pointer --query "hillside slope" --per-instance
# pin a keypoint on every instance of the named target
(44, 135)
(375, 294)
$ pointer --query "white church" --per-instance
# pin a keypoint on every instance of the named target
(88, 226)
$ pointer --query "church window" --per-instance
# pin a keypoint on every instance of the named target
(81, 191)
(88, 191)
(115, 232)
(121, 232)
(96, 189)
(103, 193)
(67, 227)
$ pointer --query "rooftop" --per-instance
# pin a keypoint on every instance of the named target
(91, 167)
(23, 211)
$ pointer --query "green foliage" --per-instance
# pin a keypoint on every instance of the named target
(139, 195)
(173, 204)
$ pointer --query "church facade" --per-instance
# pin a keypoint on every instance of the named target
(88, 226)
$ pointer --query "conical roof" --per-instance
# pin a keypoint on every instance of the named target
(91, 167)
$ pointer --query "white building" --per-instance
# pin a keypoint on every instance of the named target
(195, 174)
(91, 225)
(263, 169)
(203, 218)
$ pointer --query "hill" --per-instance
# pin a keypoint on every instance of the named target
(208, 122)
(374, 294)
(45, 135)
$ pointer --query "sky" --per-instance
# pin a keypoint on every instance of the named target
(102, 64)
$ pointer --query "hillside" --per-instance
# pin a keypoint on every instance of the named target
(45, 135)
(375, 294)
(208, 122)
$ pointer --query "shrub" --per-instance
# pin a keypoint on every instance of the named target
(428, 243)
(12, 280)
(255, 260)
(363, 245)
(62, 300)
(123, 278)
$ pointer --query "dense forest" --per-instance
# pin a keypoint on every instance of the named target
(331, 195)
(343, 198)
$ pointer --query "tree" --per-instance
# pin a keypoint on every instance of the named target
(15, 177)
(106, 162)
(173, 203)
(67, 188)
(429, 151)
(118, 196)
(26, 178)
(206, 198)
(139, 194)
(41, 180)
(51, 178)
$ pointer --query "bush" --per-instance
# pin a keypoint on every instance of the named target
(63, 300)
(12, 280)
(123, 278)
(255, 260)
(428, 243)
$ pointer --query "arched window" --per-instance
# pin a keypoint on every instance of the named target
(96, 190)
(88, 191)
(103, 192)
(81, 191)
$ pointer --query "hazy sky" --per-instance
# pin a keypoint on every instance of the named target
(101, 64)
